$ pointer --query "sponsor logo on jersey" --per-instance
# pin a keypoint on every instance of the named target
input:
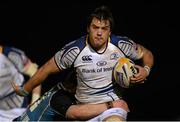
(87, 58)
(101, 63)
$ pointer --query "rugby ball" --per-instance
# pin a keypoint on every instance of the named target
(123, 70)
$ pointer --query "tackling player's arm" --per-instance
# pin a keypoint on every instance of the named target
(30, 69)
(88, 111)
(147, 60)
(42, 73)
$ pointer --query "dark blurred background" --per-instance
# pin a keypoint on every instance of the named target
(42, 28)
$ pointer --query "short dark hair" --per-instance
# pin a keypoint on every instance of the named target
(102, 13)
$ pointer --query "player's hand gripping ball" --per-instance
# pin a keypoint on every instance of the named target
(123, 70)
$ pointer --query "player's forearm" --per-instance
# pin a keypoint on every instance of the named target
(88, 111)
(42, 73)
(148, 58)
(34, 81)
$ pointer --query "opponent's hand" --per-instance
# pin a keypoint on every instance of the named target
(140, 77)
(19, 90)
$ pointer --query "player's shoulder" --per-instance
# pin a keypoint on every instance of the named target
(116, 39)
(77, 43)
(73, 48)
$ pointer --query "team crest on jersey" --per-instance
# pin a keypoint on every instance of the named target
(114, 56)
(87, 58)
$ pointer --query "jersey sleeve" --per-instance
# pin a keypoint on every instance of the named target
(131, 49)
(66, 56)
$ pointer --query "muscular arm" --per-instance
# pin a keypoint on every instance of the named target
(144, 70)
(148, 58)
(88, 111)
(42, 73)
(30, 69)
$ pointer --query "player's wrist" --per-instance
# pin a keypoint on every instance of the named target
(23, 92)
(148, 69)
